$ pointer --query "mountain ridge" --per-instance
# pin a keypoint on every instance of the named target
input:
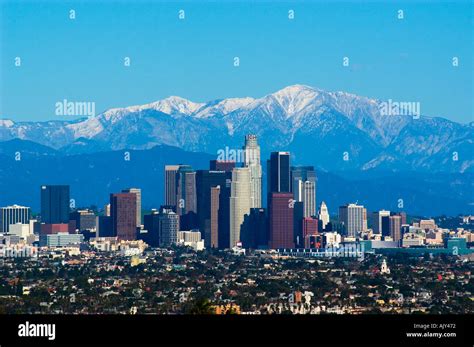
(295, 117)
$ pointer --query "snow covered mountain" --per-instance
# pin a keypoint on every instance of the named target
(332, 130)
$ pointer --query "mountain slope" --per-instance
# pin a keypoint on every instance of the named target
(319, 127)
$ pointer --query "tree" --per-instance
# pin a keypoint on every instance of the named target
(201, 306)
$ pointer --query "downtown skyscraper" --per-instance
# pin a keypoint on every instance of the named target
(376, 221)
(278, 172)
(353, 217)
(55, 204)
(240, 202)
(303, 185)
(138, 194)
(280, 202)
(171, 173)
(123, 211)
(395, 225)
(213, 238)
(251, 160)
(186, 198)
(281, 221)
(209, 185)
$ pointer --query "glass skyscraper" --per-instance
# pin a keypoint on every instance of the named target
(303, 185)
(278, 173)
(252, 161)
(55, 204)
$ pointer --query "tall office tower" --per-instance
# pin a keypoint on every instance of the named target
(281, 220)
(278, 173)
(13, 215)
(169, 226)
(255, 229)
(138, 193)
(152, 226)
(385, 226)
(223, 233)
(303, 186)
(323, 215)
(214, 220)
(205, 180)
(298, 216)
(352, 218)
(85, 220)
(376, 221)
(222, 165)
(107, 210)
(123, 211)
(364, 219)
(403, 216)
(240, 202)
(54, 204)
(105, 226)
(251, 151)
(171, 180)
(310, 231)
(395, 225)
(186, 197)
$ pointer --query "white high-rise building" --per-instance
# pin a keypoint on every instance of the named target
(323, 215)
(303, 186)
(240, 201)
(305, 192)
(252, 161)
(309, 198)
(354, 219)
(13, 215)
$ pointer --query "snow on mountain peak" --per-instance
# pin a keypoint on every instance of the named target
(176, 105)
(173, 105)
(295, 98)
(296, 89)
(7, 123)
(222, 107)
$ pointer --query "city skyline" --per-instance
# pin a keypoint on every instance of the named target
(182, 170)
(183, 179)
(219, 203)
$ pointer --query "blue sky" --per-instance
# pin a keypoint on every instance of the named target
(82, 59)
